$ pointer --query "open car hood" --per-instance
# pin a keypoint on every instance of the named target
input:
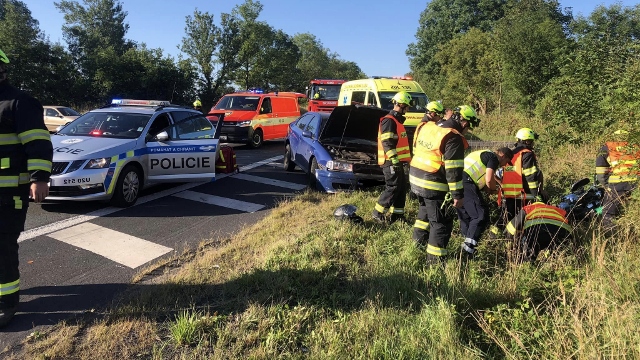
(353, 124)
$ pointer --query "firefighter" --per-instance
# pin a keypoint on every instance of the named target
(197, 105)
(479, 170)
(538, 227)
(435, 112)
(435, 171)
(393, 152)
(25, 157)
(616, 170)
(522, 182)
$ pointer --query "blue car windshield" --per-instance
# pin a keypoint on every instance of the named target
(107, 124)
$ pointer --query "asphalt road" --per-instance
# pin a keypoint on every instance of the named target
(75, 256)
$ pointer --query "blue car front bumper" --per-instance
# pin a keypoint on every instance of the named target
(335, 181)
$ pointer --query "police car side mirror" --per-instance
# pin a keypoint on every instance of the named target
(162, 136)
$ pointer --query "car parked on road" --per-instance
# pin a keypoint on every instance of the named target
(338, 150)
(54, 116)
(113, 152)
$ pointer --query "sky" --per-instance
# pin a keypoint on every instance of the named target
(374, 34)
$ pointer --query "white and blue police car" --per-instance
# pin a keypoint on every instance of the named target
(112, 153)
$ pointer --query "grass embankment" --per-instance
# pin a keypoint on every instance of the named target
(301, 285)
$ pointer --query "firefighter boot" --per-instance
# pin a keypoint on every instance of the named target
(397, 217)
(6, 315)
(433, 260)
(378, 217)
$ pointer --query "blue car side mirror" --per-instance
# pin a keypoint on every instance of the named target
(307, 134)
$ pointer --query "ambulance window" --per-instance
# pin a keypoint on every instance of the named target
(357, 97)
(371, 99)
(265, 108)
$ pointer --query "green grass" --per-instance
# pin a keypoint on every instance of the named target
(301, 285)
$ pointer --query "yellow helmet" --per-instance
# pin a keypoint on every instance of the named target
(526, 134)
(402, 97)
(436, 107)
(3, 57)
(197, 103)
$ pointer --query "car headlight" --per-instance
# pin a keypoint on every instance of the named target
(339, 166)
(100, 163)
(244, 123)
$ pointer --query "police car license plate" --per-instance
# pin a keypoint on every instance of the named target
(223, 137)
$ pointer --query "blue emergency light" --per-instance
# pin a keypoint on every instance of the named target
(140, 102)
(255, 90)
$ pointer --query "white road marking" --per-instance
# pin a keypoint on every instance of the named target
(262, 180)
(63, 224)
(116, 246)
(219, 201)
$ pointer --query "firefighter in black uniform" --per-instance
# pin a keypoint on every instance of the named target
(393, 152)
(25, 167)
(617, 170)
(538, 227)
(435, 171)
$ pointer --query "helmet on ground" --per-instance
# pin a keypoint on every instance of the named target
(197, 103)
(3, 57)
(526, 134)
(467, 113)
(436, 107)
(347, 212)
(402, 97)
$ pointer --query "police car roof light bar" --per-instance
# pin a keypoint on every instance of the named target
(134, 102)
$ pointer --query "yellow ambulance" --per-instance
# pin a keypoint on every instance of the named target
(378, 91)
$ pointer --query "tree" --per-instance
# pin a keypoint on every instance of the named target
(95, 33)
(530, 39)
(438, 24)
(472, 71)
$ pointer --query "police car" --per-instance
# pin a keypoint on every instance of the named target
(113, 152)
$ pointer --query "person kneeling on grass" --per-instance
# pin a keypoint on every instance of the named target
(478, 175)
(538, 227)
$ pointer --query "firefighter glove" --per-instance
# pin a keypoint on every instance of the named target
(395, 161)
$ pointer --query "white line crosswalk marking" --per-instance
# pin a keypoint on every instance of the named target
(263, 180)
(116, 246)
(219, 201)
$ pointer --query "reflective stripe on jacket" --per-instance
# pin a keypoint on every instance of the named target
(428, 159)
(474, 167)
(512, 184)
(623, 161)
(540, 214)
(398, 142)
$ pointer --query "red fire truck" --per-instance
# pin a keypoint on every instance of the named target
(323, 94)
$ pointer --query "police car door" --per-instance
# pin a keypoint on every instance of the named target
(184, 151)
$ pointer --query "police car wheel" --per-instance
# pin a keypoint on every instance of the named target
(313, 181)
(289, 165)
(256, 139)
(128, 187)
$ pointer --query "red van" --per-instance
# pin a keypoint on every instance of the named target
(254, 117)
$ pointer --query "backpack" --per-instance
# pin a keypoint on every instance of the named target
(226, 162)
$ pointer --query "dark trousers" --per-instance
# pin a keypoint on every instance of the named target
(394, 193)
(538, 238)
(9, 272)
(440, 226)
(474, 215)
(509, 209)
(613, 201)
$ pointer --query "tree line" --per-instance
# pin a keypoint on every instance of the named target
(578, 74)
(100, 63)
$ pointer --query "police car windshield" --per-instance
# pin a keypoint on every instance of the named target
(107, 124)
(326, 92)
(238, 102)
(420, 101)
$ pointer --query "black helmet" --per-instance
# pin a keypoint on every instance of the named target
(347, 212)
